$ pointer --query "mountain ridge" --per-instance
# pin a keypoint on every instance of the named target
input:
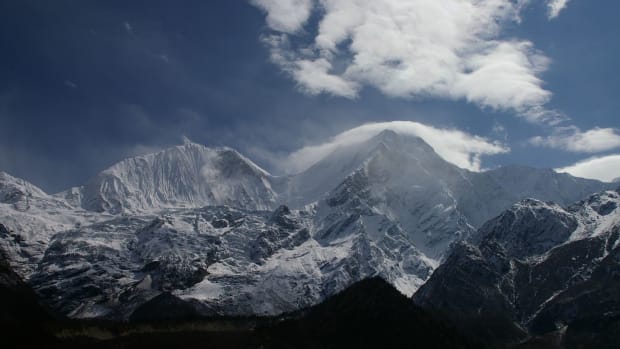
(537, 269)
(187, 175)
(391, 207)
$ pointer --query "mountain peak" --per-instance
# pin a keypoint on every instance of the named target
(189, 175)
(387, 134)
(12, 187)
(188, 144)
(392, 138)
(5, 177)
(392, 149)
(186, 140)
(530, 227)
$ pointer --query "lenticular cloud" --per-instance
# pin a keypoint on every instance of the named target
(460, 148)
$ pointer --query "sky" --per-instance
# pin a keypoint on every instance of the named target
(85, 83)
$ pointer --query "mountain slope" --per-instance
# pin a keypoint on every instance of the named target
(370, 313)
(227, 261)
(499, 188)
(22, 318)
(535, 269)
(28, 220)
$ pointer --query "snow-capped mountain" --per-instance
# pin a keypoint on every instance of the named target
(435, 202)
(402, 180)
(214, 229)
(190, 175)
(535, 269)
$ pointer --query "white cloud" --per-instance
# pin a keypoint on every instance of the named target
(411, 48)
(457, 147)
(604, 168)
(555, 7)
(573, 139)
(287, 16)
(314, 77)
(504, 76)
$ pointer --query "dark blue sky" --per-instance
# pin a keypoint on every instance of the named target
(86, 83)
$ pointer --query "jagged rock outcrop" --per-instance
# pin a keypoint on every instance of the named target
(535, 269)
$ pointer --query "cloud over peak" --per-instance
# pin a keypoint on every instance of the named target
(451, 49)
(455, 146)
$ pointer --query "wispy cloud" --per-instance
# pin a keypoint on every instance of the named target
(128, 27)
(604, 168)
(573, 139)
(460, 148)
(555, 7)
(70, 84)
(287, 16)
(450, 49)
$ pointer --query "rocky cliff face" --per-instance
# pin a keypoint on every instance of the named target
(537, 267)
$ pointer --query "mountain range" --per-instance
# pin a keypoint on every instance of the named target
(216, 232)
